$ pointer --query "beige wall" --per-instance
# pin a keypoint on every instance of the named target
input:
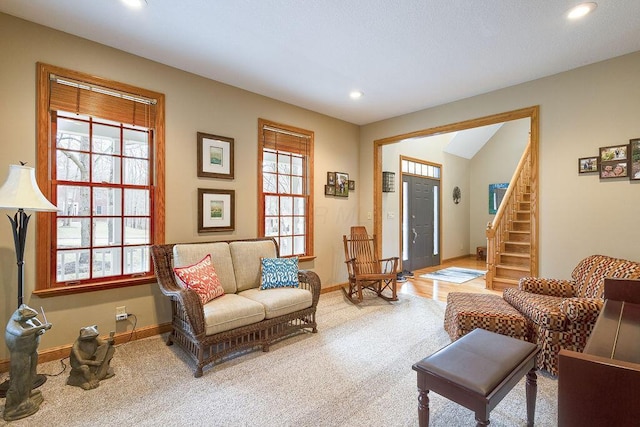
(580, 110)
(192, 104)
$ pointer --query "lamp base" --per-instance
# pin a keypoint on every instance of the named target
(37, 382)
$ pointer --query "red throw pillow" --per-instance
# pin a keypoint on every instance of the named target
(202, 278)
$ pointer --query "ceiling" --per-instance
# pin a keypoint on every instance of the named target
(405, 55)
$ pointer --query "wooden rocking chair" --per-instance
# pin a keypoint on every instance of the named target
(365, 269)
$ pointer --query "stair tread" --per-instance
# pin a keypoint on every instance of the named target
(513, 267)
(513, 242)
(515, 254)
(506, 280)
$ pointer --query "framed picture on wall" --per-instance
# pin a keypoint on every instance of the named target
(329, 190)
(588, 164)
(342, 184)
(614, 161)
(634, 158)
(352, 185)
(331, 178)
(215, 156)
(216, 210)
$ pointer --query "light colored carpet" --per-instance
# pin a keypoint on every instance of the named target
(356, 371)
(454, 274)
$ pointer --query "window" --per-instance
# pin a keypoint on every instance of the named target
(103, 143)
(285, 162)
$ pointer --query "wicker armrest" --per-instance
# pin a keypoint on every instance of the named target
(582, 310)
(309, 280)
(551, 287)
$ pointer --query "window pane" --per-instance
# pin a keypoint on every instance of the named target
(106, 169)
(137, 231)
(72, 166)
(271, 226)
(298, 227)
(296, 166)
(106, 262)
(296, 185)
(269, 161)
(284, 163)
(284, 184)
(136, 171)
(269, 183)
(298, 245)
(286, 205)
(136, 143)
(298, 205)
(405, 166)
(136, 202)
(73, 200)
(107, 201)
(271, 205)
(106, 139)
(107, 231)
(73, 233)
(286, 226)
(286, 248)
(136, 259)
(72, 265)
(72, 135)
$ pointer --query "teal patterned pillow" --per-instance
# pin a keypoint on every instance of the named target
(279, 273)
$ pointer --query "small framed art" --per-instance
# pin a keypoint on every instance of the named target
(587, 165)
(614, 161)
(331, 178)
(352, 185)
(215, 156)
(329, 190)
(342, 184)
(216, 210)
(634, 159)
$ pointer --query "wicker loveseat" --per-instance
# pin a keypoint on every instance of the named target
(245, 316)
(561, 313)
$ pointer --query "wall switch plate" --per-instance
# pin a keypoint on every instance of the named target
(121, 313)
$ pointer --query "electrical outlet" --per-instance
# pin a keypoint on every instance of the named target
(121, 313)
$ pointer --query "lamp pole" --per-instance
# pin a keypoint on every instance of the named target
(19, 224)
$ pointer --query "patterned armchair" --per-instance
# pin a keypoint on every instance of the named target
(562, 313)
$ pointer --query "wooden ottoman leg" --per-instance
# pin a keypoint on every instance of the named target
(531, 391)
(423, 408)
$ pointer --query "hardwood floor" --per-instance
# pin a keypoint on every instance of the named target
(438, 290)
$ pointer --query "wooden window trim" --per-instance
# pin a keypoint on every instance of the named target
(44, 287)
(262, 123)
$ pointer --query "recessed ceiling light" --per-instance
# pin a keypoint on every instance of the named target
(581, 10)
(134, 4)
(355, 94)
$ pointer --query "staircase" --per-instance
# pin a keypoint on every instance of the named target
(511, 236)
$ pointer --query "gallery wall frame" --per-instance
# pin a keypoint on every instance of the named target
(634, 159)
(588, 165)
(215, 156)
(342, 184)
(216, 210)
(614, 161)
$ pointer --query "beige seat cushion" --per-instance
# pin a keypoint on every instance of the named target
(280, 301)
(231, 311)
(191, 253)
(246, 261)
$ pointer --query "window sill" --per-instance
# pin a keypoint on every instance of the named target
(92, 287)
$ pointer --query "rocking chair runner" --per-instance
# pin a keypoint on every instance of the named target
(365, 269)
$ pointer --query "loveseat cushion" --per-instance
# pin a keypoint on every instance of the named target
(231, 311)
(590, 273)
(543, 310)
(191, 253)
(246, 261)
(280, 301)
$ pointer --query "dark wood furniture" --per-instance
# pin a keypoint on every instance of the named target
(365, 270)
(477, 371)
(601, 385)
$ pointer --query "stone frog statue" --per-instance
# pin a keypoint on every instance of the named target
(22, 337)
(90, 359)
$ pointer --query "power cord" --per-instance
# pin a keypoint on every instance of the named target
(135, 322)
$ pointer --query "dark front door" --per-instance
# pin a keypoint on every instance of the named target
(420, 222)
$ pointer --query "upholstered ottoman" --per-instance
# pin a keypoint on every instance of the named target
(466, 312)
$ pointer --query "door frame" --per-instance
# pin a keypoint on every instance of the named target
(401, 202)
(529, 112)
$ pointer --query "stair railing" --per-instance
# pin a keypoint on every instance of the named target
(498, 229)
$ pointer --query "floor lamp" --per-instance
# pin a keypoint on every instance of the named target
(20, 191)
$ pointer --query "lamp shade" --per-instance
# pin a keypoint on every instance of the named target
(20, 191)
